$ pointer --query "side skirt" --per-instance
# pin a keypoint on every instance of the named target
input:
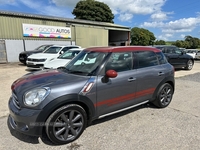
(114, 112)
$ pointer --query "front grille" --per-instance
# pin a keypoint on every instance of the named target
(15, 101)
(35, 66)
(22, 55)
(36, 60)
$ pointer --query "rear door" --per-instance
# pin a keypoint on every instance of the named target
(150, 72)
(175, 56)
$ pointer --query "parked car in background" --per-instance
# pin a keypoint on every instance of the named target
(178, 58)
(63, 59)
(191, 52)
(37, 61)
(24, 55)
(197, 55)
(63, 102)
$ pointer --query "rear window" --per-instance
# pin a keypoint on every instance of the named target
(161, 58)
(53, 50)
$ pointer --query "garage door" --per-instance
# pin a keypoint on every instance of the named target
(3, 57)
(91, 36)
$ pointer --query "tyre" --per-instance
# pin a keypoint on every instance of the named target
(189, 65)
(66, 124)
(164, 96)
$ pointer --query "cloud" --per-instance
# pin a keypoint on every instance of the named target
(182, 35)
(126, 9)
(160, 16)
(31, 4)
(8, 2)
(65, 3)
(125, 17)
(50, 10)
(181, 25)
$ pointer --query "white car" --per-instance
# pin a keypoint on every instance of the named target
(37, 61)
(197, 55)
(63, 59)
(192, 52)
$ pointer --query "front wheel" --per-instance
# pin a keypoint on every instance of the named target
(66, 124)
(189, 65)
(164, 96)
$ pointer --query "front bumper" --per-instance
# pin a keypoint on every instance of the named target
(197, 57)
(36, 65)
(24, 120)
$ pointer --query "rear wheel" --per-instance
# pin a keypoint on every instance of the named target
(66, 124)
(164, 96)
(189, 65)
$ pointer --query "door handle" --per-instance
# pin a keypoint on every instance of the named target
(161, 73)
(131, 79)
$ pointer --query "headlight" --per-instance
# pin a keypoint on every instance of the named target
(36, 96)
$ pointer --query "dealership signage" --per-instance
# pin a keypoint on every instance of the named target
(32, 30)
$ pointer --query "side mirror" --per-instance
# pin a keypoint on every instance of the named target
(183, 52)
(111, 73)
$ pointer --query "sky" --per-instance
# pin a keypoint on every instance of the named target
(168, 20)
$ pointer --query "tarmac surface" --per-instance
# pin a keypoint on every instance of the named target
(176, 127)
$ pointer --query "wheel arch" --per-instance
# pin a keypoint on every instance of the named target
(83, 101)
(169, 80)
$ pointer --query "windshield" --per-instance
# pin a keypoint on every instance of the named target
(53, 50)
(69, 54)
(43, 47)
(86, 63)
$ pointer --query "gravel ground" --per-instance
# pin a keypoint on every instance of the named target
(144, 127)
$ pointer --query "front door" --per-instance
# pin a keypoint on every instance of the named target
(116, 93)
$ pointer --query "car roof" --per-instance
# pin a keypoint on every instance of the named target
(75, 49)
(123, 48)
(164, 46)
(57, 45)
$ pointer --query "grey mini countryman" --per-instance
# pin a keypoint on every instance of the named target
(98, 82)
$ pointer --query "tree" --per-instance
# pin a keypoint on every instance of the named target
(189, 42)
(141, 36)
(160, 42)
(93, 10)
(193, 41)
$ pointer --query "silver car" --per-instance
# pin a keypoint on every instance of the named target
(98, 82)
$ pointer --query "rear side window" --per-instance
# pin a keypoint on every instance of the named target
(161, 58)
(146, 59)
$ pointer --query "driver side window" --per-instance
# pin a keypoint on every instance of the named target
(120, 62)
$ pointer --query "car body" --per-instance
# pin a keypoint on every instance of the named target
(98, 82)
(24, 55)
(37, 61)
(197, 55)
(63, 59)
(191, 52)
(176, 57)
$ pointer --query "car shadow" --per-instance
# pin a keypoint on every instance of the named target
(45, 140)
(20, 64)
(123, 113)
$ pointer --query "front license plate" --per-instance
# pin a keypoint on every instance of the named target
(30, 63)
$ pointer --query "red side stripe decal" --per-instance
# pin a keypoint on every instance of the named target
(121, 99)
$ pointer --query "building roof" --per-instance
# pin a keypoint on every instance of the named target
(53, 18)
